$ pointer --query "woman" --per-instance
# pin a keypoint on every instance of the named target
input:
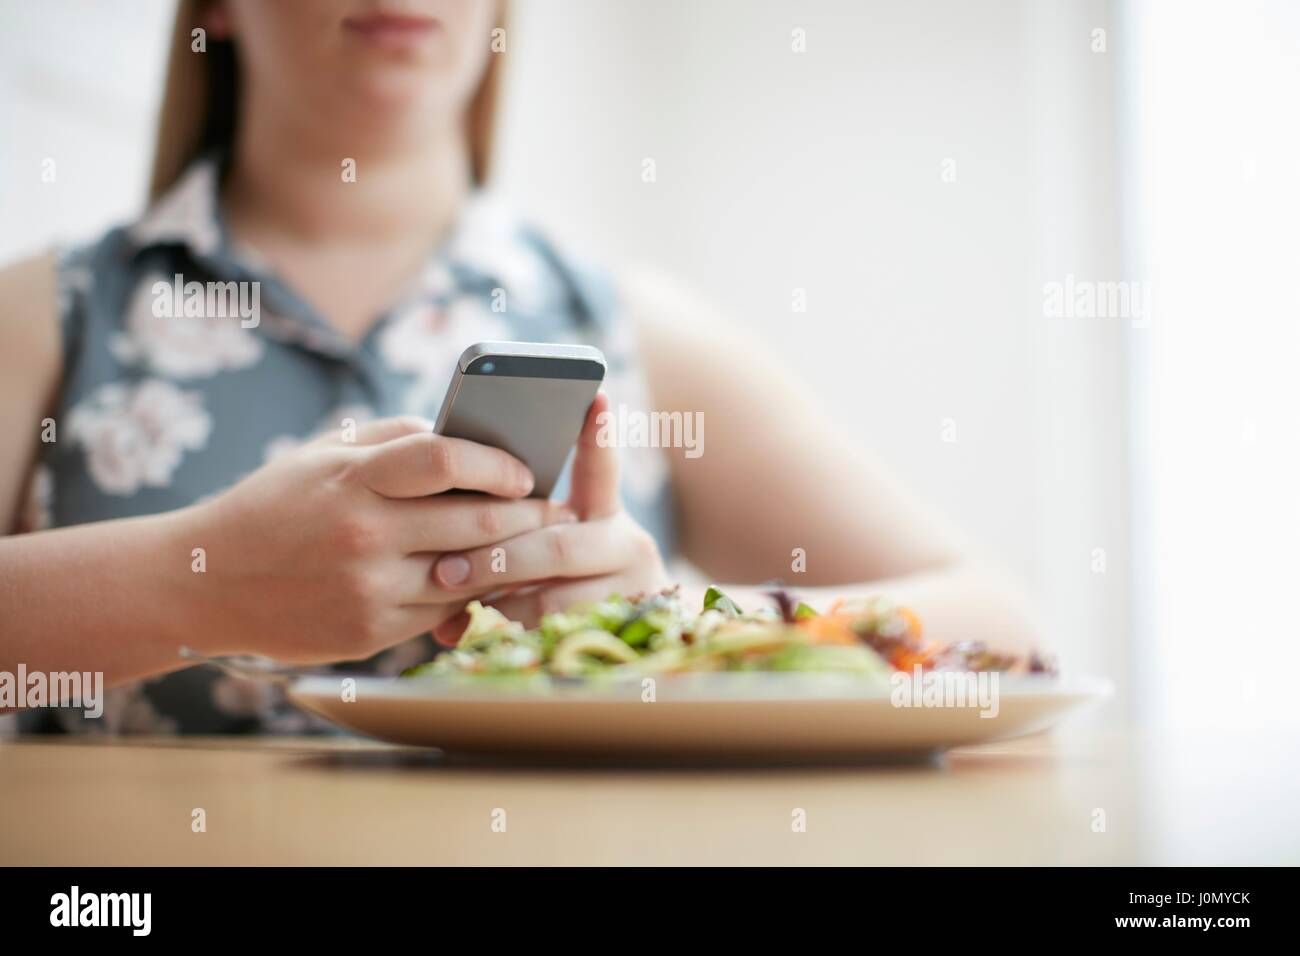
(262, 483)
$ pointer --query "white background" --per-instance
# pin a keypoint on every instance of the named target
(1169, 156)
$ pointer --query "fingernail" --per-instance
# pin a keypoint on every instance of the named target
(453, 569)
(568, 515)
(448, 633)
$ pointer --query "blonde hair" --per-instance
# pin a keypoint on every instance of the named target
(201, 99)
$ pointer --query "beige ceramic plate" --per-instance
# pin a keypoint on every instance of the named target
(742, 715)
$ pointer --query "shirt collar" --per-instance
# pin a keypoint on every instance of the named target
(487, 249)
(186, 215)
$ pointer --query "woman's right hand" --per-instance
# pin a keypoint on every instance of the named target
(325, 553)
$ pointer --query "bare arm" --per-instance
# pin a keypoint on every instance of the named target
(88, 598)
(322, 555)
(29, 373)
(105, 597)
(775, 476)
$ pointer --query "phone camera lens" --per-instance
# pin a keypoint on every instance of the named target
(487, 368)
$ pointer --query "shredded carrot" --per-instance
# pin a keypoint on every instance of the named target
(905, 656)
(913, 622)
(829, 629)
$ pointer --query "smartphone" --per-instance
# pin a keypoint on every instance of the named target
(527, 398)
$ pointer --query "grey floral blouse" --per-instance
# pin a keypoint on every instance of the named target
(160, 410)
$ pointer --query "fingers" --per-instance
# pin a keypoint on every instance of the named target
(417, 619)
(594, 482)
(386, 429)
(449, 630)
(451, 626)
(560, 551)
(427, 464)
(455, 522)
(459, 523)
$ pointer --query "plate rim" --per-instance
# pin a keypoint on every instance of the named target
(777, 687)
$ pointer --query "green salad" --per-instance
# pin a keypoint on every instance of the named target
(655, 634)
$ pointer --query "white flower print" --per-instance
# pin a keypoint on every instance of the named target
(436, 281)
(259, 700)
(127, 710)
(182, 346)
(73, 280)
(243, 697)
(281, 445)
(428, 339)
(135, 436)
(487, 240)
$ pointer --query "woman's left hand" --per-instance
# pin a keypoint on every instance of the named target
(552, 568)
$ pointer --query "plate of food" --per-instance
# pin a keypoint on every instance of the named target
(647, 677)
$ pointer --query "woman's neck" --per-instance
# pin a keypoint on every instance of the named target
(348, 243)
(291, 179)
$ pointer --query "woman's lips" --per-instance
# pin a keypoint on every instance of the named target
(391, 28)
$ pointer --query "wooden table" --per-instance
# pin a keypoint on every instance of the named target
(1216, 799)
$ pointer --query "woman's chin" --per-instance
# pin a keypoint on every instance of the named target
(398, 102)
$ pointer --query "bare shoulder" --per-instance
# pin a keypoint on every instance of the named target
(29, 370)
(664, 309)
(29, 327)
(27, 294)
(685, 340)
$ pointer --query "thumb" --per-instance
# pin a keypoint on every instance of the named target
(594, 486)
